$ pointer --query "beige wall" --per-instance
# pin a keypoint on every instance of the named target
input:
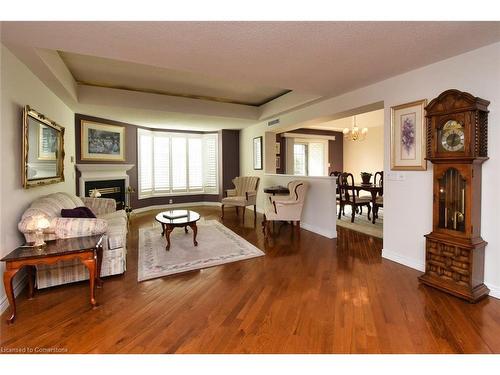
(20, 87)
(408, 201)
(366, 155)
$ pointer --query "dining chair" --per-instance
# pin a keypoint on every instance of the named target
(336, 174)
(348, 196)
(378, 179)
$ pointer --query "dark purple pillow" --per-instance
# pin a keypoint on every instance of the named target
(78, 212)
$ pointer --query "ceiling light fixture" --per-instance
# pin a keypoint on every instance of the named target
(354, 133)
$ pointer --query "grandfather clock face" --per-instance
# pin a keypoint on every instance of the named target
(451, 137)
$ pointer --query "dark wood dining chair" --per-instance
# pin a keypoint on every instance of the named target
(348, 196)
(336, 174)
(378, 179)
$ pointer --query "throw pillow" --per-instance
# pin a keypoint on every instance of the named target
(78, 212)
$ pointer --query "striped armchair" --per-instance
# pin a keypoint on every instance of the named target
(244, 194)
(109, 221)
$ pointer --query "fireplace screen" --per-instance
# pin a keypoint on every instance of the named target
(114, 189)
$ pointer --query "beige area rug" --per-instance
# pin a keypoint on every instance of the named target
(362, 224)
(216, 245)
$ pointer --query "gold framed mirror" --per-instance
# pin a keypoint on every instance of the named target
(43, 150)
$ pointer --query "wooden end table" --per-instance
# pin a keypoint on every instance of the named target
(87, 249)
(188, 219)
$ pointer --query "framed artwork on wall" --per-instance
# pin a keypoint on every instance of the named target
(278, 148)
(102, 141)
(408, 136)
(278, 162)
(47, 143)
(257, 153)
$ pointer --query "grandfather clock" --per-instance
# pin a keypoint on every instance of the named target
(457, 145)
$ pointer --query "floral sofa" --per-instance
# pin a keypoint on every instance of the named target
(111, 223)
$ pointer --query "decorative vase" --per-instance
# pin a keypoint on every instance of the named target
(366, 178)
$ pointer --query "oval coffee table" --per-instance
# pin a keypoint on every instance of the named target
(178, 219)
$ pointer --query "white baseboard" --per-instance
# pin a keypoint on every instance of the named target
(398, 258)
(18, 288)
(174, 205)
(322, 232)
(494, 290)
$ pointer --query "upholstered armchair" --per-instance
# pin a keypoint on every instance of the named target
(244, 194)
(109, 222)
(286, 208)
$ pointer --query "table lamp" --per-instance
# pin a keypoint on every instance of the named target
(38, 225)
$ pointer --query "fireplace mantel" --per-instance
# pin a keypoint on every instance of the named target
(102, 172)
(93, 168)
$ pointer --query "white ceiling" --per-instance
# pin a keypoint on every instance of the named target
(98, 71)
(319, 59)
(370, 119)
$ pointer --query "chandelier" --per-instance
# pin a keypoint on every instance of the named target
(354, 133)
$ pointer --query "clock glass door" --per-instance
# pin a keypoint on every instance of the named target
(452, 201)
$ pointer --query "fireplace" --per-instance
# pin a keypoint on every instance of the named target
(111, 180)
(114, 189)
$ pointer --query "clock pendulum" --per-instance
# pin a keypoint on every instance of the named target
(457, 145)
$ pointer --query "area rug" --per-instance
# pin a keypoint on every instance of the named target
(216, 245)
(361, 222)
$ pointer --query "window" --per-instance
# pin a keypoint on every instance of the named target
(310, 157)
(176, 163)
(300, 159)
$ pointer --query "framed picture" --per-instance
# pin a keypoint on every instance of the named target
(257, 153)
(278, 162)
(102, 141)
(278, 148)
(408, 136)
(47, 142)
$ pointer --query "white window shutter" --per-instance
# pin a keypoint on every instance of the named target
(195, 156)
(161, 166)
(173, 163)
(145, 167)
(210, 159)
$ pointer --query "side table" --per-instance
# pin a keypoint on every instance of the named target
(276, 190)
(87, 249)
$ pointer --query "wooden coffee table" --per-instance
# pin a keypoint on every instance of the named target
(87, 249)
(168, 225)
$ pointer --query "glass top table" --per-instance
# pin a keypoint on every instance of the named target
(88, 250)
(178, 219)
(55, 248)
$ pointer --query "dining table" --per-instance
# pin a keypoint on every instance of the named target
(373, 189)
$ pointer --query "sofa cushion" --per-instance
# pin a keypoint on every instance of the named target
(78, 212)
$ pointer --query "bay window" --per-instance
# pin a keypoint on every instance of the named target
(176, 163)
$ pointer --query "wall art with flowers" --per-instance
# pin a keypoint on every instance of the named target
(408, 136)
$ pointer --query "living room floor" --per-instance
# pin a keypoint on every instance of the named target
(307, 295)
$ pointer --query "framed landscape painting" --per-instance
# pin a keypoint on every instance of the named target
(102, 141)
(408, 136)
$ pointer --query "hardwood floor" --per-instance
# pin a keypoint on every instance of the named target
(307, 295)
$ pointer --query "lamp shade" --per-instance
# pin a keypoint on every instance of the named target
(42, 223)
(38, 222)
